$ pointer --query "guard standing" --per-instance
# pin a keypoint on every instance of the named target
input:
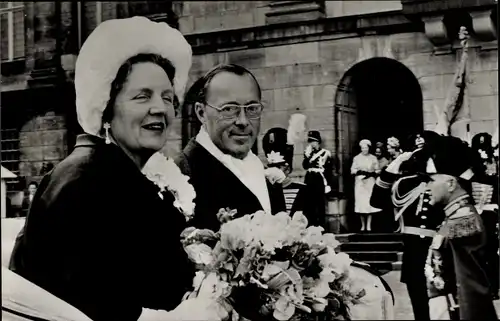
(319, 166)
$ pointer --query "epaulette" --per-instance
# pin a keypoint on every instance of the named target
(467, 225)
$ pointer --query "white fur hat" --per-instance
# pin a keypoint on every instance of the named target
(111, 44)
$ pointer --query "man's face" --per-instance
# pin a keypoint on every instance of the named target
(234, 136)
(314, 144)
(440, 187)
(32, 189)
(378, 152)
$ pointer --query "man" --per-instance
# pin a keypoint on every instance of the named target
(319, 166)
(223, 170)
(279, 156)
(401, 188)
(462, 235)
(28, 199)
(485, 194)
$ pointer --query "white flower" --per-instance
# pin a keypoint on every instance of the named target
(275, 158)
(167, 176)
(313, 235)
(483, 154)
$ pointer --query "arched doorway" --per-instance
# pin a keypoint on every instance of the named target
(376, 99)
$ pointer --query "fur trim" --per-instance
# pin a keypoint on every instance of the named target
(296, 129)
(108, 47)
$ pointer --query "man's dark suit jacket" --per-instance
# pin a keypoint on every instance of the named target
(217, 187)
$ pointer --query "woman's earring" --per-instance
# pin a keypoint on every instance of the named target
(107, 126)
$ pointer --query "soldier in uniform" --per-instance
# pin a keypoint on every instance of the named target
(462, 236)
(485, 195)
(279, 154)
(402, 188)
(318, 179)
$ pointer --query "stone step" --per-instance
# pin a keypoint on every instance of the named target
(369, 237)
(371, 246)
(366, 256)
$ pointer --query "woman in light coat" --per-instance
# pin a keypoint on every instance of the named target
(365, 167)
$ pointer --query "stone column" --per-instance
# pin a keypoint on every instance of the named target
(292, 11)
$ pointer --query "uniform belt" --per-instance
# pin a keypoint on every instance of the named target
(316, 170)
(418, 231)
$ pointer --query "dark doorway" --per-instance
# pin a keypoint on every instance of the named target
(389, 100)
(376, 99)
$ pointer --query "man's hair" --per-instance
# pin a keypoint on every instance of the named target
(124, 72)
(202, 84)
(33, 183)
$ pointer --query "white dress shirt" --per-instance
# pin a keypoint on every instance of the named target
(250, 170)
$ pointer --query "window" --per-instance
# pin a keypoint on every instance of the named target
(11, 30)
(10, 150)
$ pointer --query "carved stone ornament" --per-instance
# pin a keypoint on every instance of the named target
(484, 27)
(435, 30)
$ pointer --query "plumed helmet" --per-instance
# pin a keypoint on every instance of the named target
(275, 147)
(111, 44)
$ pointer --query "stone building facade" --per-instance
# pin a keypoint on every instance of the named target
(356, 69)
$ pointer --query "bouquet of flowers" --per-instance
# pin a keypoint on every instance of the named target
(288, 271)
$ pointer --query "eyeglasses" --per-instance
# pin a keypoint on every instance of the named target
(252, 111)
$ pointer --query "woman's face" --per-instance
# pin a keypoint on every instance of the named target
(143, 109)
(365, 149)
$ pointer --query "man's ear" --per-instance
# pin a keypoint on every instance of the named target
(452, 184)
(200, 112)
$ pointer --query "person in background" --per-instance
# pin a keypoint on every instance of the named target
(279, 155)
(365, 168)
(485, 195)
(379, 153)
(28, 199)
(461, 239)
(99, 234)
(393, 148)
(401, 189)
(318, 179)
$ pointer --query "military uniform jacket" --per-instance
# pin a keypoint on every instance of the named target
(464, 244)
(418, 222)
(406, 194)
(99, 237)
(217, 187)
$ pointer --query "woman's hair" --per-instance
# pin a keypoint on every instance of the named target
(124, 72)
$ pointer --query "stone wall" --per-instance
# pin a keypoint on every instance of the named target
(208, 16)
(42, 142)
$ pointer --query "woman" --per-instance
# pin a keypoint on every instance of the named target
(382, 161)
(97, 234)
(365, 168)
(393, 148)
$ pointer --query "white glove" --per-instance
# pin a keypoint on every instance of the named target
(394, 166)
(308, 150)
(274, 175)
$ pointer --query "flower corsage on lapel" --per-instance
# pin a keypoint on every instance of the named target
(167, 176)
